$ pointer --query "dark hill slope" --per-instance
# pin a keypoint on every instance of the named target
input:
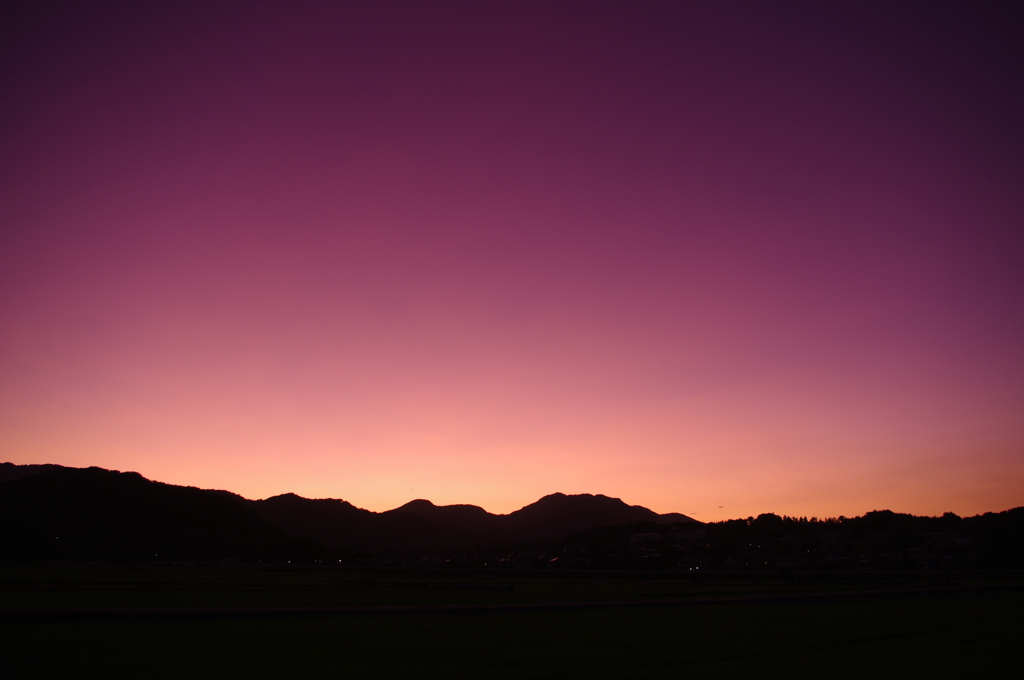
(554, 516)
(471, 519)
(92, 513)
(421, 525)
(559, 515)
(9, 471)
(50, 511)
(341, 526)
(327, 520)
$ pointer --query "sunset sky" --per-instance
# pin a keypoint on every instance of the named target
(713, 258)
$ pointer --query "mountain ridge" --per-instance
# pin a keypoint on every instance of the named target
(55, 513)
(92, 503)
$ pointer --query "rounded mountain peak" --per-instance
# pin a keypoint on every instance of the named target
(418, 504)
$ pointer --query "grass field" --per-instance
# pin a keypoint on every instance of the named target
(954, 636)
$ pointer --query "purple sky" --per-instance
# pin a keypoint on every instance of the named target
(714, 258)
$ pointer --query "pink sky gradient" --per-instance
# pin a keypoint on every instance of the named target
(714, 259)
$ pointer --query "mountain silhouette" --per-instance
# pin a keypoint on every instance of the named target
(339, 525)
(559, 514)
(471, 519)
(10, 471)
(50, 511)
(552, 517)
(92, 513)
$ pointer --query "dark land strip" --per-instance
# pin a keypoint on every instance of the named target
(27, 614)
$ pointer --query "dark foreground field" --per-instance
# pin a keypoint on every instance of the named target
(178, 622)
